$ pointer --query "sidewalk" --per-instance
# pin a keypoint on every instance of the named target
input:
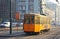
(13, 28)
(14, 33)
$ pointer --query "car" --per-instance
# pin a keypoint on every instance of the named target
(14, 24)
(5, 24)
(21, 23)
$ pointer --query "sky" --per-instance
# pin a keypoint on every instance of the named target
(59, 1)
(50, 0)
(53, 1)
(52, 4)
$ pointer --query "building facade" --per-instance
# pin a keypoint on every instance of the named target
(28, 6)
(21, 6)
(5, 9)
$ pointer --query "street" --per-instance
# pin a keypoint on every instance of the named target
(54, 33)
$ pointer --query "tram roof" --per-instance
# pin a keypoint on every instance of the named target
(36, 14)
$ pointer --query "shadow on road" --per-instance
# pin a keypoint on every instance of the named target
(18, 34)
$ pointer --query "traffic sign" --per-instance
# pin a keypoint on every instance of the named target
(17, 15)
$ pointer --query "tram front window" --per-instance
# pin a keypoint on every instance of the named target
(27, 20)
(32, 18)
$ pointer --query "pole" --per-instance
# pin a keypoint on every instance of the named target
(40, 7)
(58, 15)
(55, 16)
(10, 19)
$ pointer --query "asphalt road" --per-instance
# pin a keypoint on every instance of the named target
(54, 33)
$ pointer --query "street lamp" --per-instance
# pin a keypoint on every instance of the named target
(58, 11)
(55, 16)
(40, 5)
(10, 19)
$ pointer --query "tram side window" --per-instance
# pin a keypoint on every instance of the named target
(48, 21)
(32, 19)
(45, 21)
(37, 20)
(41, 21)
(27, 20)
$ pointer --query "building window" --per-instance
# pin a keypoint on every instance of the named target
(21, 0)
(31, 8)
(21, 7)
(30, 0)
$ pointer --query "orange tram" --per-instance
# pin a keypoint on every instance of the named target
(36, 23)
